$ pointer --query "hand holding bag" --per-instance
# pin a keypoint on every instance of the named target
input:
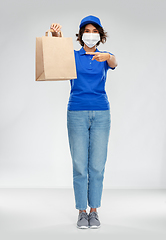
(55, 59)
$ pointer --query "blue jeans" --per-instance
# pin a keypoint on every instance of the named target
(88, 133)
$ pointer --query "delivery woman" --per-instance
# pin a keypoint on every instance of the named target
(89, 118)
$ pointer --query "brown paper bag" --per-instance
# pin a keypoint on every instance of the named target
(54, 58)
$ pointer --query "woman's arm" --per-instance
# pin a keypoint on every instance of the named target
(101, 57)
(56, 27)
(112, 61)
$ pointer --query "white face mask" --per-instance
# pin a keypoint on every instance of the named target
(90, 39)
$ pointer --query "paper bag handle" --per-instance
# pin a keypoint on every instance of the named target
(48, 33)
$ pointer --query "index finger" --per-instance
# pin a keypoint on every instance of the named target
(92, 53)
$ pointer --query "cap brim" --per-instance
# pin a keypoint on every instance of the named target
(89, 22)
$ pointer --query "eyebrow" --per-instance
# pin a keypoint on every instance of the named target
(92, 29)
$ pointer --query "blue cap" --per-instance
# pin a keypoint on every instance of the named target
(90, 19)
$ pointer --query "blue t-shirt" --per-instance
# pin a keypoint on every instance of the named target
(88, 90)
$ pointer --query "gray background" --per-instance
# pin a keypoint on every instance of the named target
(34, 145)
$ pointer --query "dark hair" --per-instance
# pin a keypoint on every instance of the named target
(103, 34)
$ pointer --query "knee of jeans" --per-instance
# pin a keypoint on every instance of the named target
(97, 170)
(79, 171)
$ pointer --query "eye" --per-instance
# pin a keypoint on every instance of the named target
(86, 30)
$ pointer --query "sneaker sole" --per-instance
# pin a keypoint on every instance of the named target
(94, 227)
(82, 227)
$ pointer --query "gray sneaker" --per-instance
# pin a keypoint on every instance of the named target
(82, 220)
(94, 220)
